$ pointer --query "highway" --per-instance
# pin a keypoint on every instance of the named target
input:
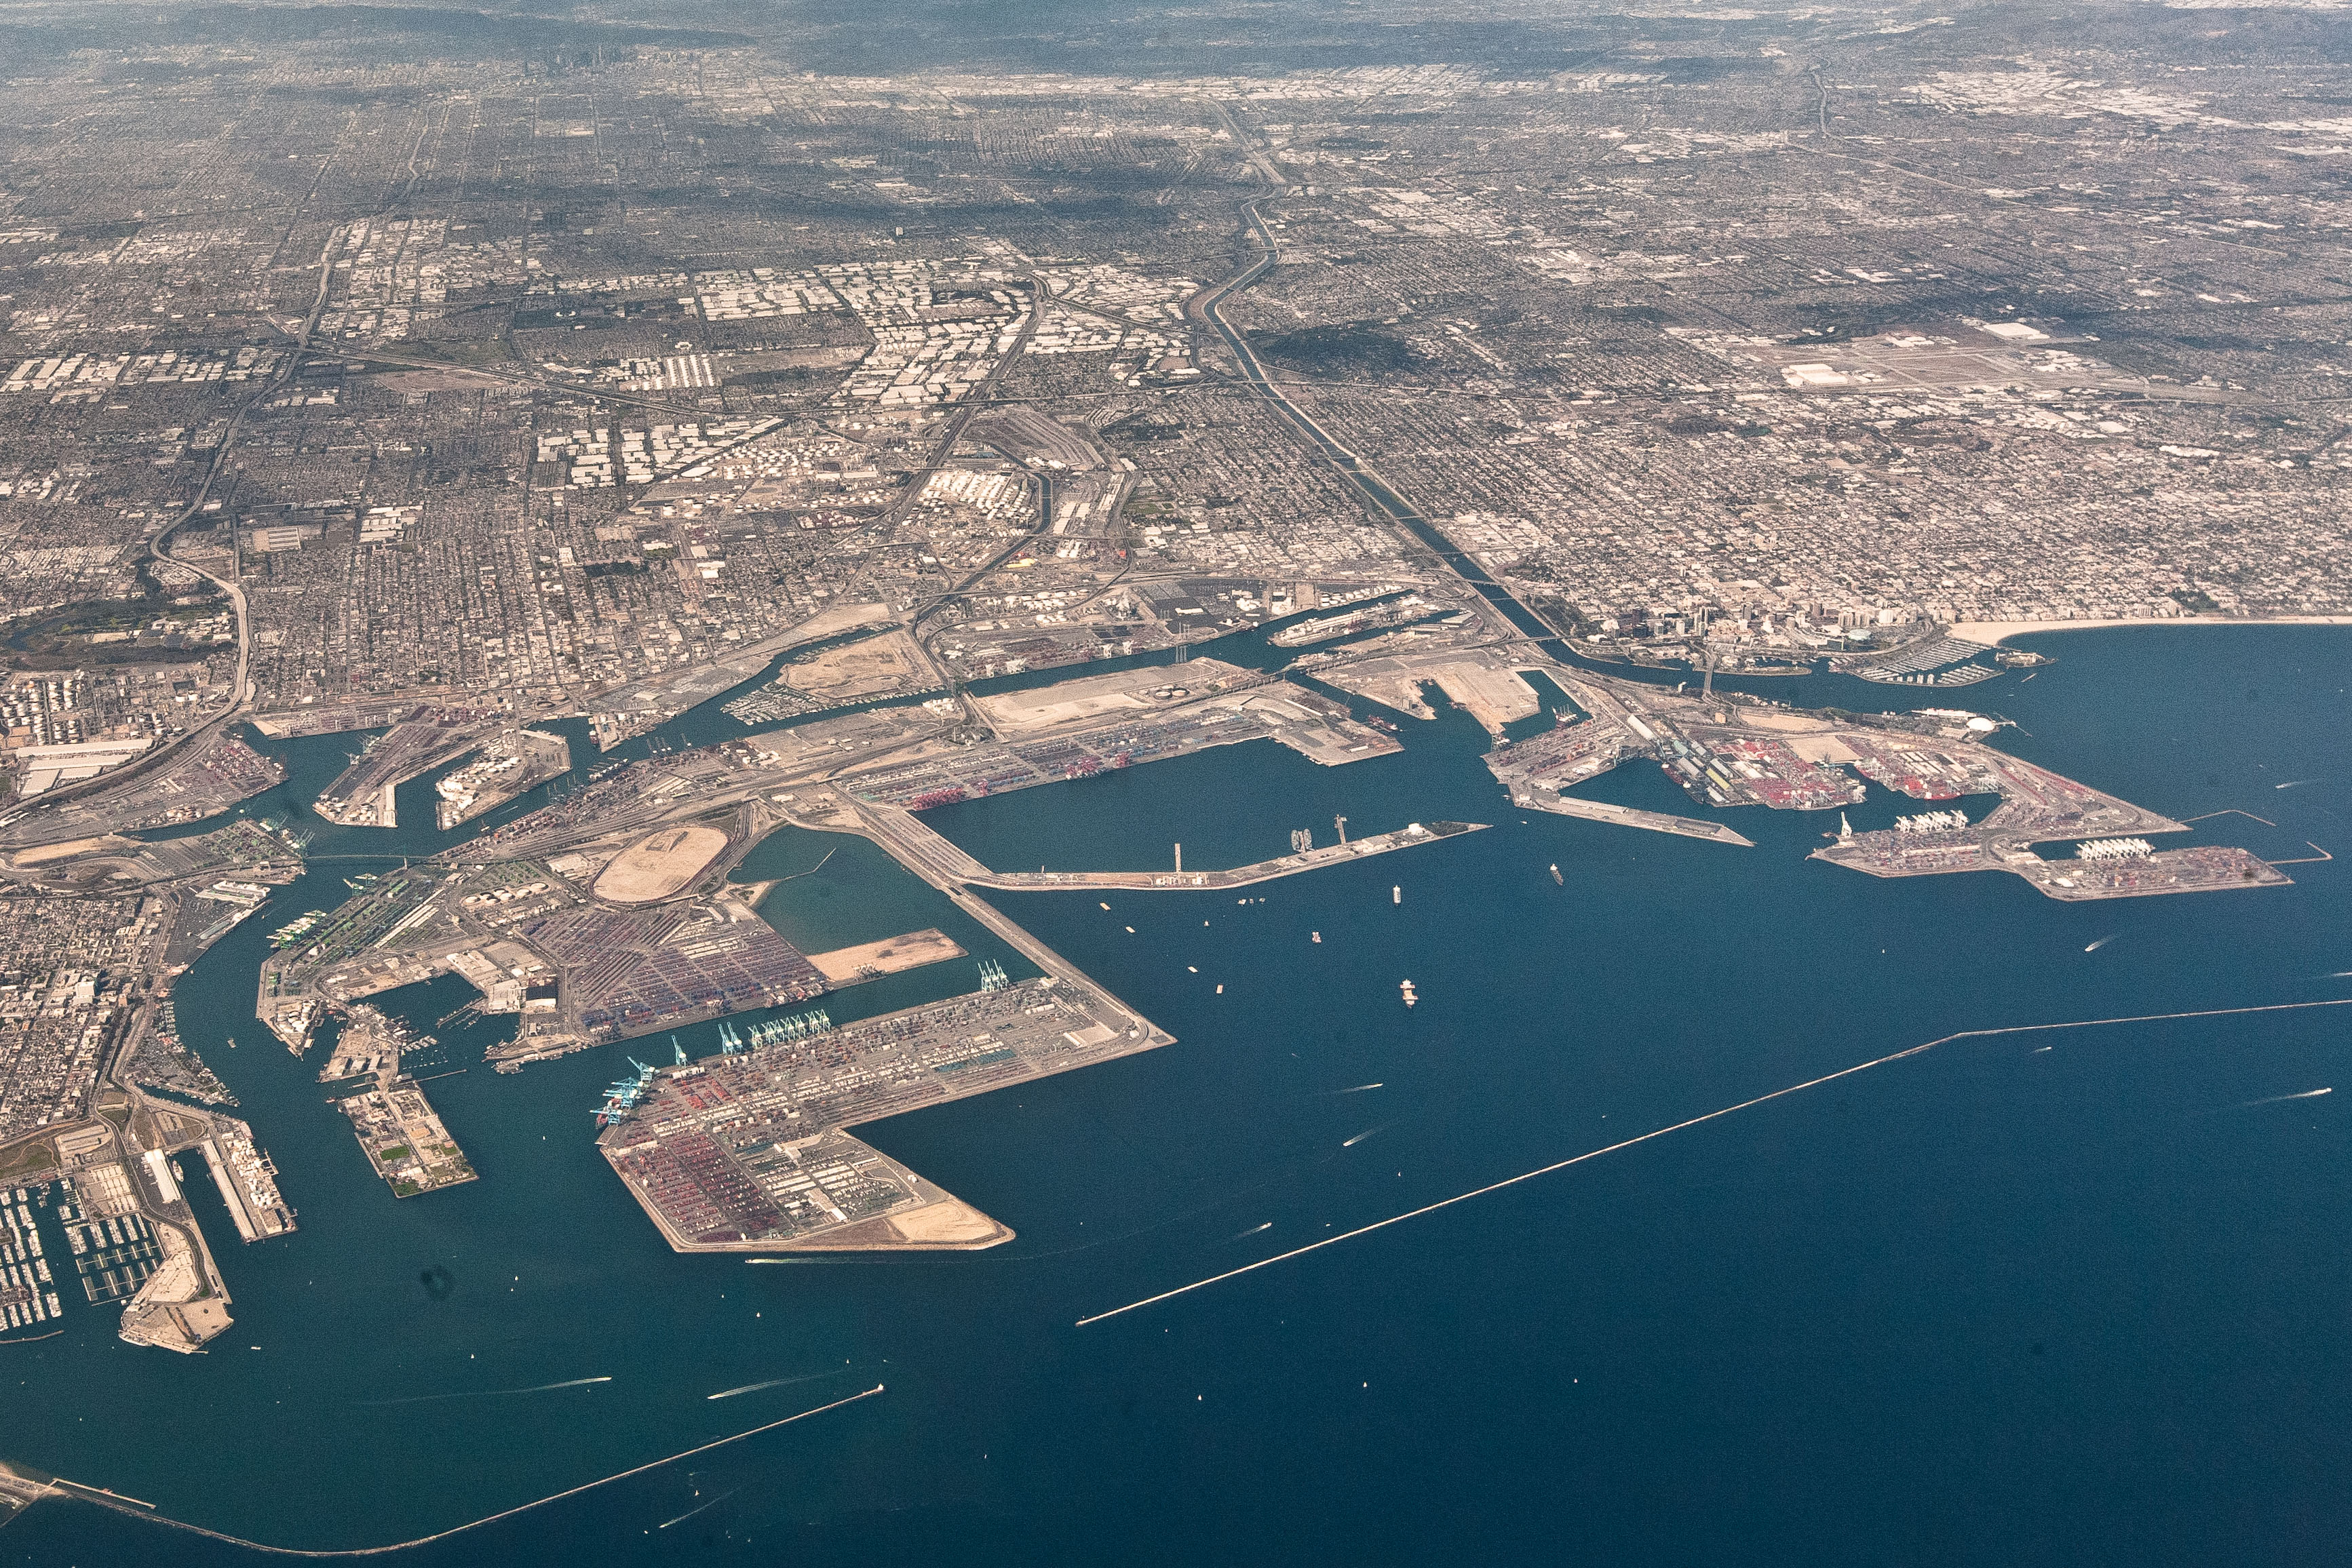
(159, 548)
(1205, 308)
(1039, 296)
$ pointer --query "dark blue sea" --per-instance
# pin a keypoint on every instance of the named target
(1995, 1304)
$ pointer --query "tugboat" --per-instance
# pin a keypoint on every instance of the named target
(1410, 996)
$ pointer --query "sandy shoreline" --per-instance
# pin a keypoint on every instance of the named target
(1991, 632)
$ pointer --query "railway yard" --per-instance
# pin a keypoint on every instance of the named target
(608, 914)
(815, 448)
(362, 795)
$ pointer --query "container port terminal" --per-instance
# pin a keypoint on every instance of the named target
(1935, 845)
(1726, 750)
(747, 1150)
(606, 915)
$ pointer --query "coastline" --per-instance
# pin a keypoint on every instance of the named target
(1992, 633)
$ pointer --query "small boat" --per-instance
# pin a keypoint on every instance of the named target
(1554, 875)
(1411, 997)
(1396, 896)
(1315, 936)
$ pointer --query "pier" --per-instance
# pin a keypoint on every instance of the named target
(247, 1183)
(748, 1151)
(1630, 817)
(397, 1128)
(1238, 877)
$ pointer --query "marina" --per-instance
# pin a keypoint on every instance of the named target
(28, 1288)
(1493, 1109)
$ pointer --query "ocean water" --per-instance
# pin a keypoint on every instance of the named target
(1993, 1304)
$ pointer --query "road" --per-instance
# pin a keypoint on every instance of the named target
(1205, 308)
(159, 548)
(985, 392)
(944, 866)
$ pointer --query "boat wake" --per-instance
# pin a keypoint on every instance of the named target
(697, 1508)
(774, 1383)
(2282, 1099)
(1765, 1099)
(490, 1393)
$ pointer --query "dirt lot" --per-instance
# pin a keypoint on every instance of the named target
(658, 865)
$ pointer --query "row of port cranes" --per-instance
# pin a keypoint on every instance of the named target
(622, 1097)
(1933, 822)
(621, 1100)
(796, 1026)
(2113, 850)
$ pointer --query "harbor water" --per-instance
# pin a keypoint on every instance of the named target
(1994, 1304)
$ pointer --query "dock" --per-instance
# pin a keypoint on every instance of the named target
(749, 1151)
(1237, 876)
(247, 1183)
(398, 1129)
(362, 795)
(1630, 817)
(404, 1139)
(509, 766)
(2202, 868)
